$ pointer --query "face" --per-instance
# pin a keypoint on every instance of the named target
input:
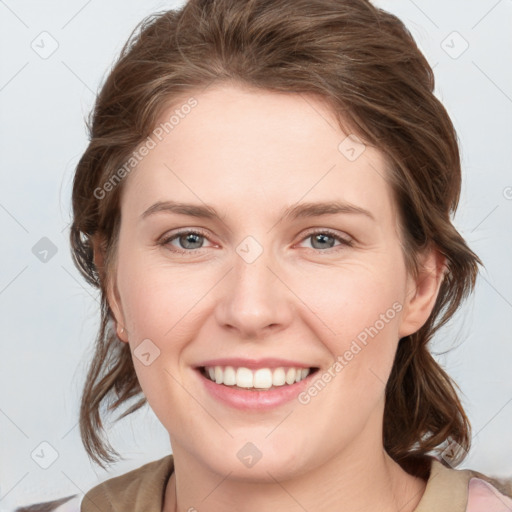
(269, 281)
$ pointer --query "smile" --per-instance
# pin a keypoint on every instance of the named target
(260, 379)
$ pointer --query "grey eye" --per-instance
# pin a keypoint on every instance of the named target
(322, 238)
(190, 240)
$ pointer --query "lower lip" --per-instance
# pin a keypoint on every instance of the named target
(254, 400)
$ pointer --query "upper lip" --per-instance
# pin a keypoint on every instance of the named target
(267, 362)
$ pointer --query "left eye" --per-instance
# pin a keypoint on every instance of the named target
(186, 239)
(320, 238)
(191, 241)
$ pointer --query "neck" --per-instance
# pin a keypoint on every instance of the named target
(350, 480)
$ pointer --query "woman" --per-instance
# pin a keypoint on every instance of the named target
(265, 205)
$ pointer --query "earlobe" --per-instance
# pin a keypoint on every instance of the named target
(121, 333)
(422, 292)
(112, 292)
(114, 302)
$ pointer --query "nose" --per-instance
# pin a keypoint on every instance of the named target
(255, 299)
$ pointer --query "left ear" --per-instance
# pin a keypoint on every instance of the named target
(422, 291)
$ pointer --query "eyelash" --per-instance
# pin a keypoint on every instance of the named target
(166, 240)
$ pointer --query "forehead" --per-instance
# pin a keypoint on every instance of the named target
(261, 146)
(249, 121)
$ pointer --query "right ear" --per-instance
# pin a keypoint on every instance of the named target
(113, 297)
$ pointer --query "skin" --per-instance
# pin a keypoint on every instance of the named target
(250, 154)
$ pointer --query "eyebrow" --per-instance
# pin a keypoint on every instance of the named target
(301, 210)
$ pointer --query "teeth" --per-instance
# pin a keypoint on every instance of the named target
(244, 378)
(290, 375)
(278, 377)
(229, 377)
(263, 378)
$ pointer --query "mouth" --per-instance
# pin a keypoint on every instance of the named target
(261, 379)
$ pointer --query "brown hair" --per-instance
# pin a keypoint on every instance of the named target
(364, 63)
(46, 506)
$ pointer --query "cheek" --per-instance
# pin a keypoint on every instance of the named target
(160, 306)
(357, 314)
(344, 305)
(350, 299)
(158, 300)
(338, 308)
(163, 300)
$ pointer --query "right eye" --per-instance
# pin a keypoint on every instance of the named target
(188, 240)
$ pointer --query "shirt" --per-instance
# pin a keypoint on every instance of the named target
(447, 490)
